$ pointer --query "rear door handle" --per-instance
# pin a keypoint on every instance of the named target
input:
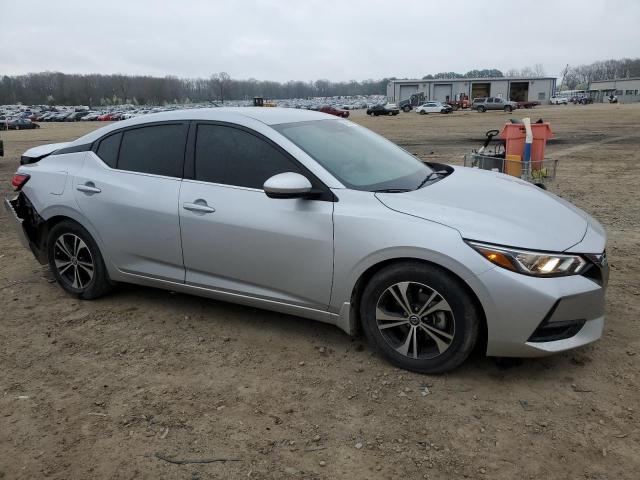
(88, 187)
(199, 206)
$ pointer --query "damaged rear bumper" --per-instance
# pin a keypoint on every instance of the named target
(27, 224)
(16, 222)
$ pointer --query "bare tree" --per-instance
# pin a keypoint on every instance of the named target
(221, 81)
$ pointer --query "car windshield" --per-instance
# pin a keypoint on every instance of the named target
(359, 158)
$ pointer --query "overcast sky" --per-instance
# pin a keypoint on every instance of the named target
(311, 39)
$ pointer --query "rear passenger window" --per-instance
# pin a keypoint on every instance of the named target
(108, 149)
(158, 149)
(232, 156)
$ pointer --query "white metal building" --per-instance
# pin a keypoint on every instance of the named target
(518, 89)
(626, 89)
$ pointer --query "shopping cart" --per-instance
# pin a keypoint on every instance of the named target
(539, 172)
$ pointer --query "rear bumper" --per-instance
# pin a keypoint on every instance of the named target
(16, 222)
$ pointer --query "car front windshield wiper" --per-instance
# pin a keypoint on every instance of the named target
(431, 176)
(392, 190)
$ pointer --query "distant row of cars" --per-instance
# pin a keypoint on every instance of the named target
(422, 109)
(17, 124)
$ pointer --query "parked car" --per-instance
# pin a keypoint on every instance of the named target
(105, 117)
(338, 112)
(559, 100)
(90, 117)
(303, 213)
(581, 100)
(388, 109)
(434, 107)
(493, 103)
(414, 100)
(21, 124)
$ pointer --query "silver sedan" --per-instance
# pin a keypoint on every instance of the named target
(315, 216)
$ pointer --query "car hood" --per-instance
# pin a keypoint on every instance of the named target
(495, 208)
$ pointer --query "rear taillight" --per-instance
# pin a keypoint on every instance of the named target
(18, 180)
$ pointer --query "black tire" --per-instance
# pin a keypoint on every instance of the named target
(509, 109)
(86, 286)
(422, 112)
(406, 109)
(482, 109)
(463, 319)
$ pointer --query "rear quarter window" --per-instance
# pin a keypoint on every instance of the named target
(108, 149)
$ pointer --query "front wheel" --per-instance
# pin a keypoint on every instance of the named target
(406, 109)
(482, 109)
(76, 262)
(422, 112)
(420, 317)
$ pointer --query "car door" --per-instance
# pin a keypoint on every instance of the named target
(238, 240)
(128, 189)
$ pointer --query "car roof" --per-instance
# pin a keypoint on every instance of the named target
(239, 115)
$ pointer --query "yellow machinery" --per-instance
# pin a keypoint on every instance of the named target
(260, 102)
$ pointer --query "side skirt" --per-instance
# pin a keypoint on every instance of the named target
(341, 320)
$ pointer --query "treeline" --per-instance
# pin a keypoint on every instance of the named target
(535, 71)
(580, 77)
(55, 88)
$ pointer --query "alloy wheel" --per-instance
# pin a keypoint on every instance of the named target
(73, 261)
(415, 320)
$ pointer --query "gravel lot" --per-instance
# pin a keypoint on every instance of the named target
(97, 389)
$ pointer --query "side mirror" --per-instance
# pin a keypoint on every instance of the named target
(287, 185)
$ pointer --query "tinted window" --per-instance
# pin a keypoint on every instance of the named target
(490, 100)
(108, 149)
(158, 149)
(234, 157)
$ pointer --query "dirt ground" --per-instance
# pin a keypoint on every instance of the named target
(97, 389)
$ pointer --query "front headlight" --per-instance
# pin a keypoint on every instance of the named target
(538, 264)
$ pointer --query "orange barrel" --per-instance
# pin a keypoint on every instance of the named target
(514, 134)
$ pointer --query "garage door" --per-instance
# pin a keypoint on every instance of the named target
(441, 92)
(406, 91)
(480, 90)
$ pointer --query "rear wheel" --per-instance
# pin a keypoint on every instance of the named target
(509, 108)
(406, 108)
(420, 317)
(76, 262)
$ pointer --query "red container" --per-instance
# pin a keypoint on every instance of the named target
(514, 135)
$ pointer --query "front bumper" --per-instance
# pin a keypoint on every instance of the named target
(16, 222)
(519, 309)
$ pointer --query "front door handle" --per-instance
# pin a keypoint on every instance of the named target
(88, 187)
(199, 206)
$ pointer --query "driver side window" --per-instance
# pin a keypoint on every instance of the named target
(231, 156)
